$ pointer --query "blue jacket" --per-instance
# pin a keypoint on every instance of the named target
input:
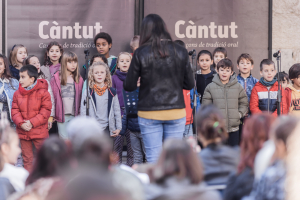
(247, 84)
(192, 99)
(130, 118)
(9, 89)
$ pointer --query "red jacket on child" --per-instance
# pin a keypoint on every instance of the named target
(33, 105)
(263, 99)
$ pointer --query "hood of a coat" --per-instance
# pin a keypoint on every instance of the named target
(293, 89)
(41, 84)
(233, 80)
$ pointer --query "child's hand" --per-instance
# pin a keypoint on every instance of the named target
(25, 127)
(116, 133)
(29, 125)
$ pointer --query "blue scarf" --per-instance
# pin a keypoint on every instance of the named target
(121, 75)
(266, 83)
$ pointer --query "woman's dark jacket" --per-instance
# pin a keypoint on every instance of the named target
(162, 79)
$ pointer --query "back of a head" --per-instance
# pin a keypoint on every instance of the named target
(283, 127)
(180, 42)
(211, 124)
(255, 132)
(51, 160)
(177, 159)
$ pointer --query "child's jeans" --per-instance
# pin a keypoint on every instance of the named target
(27, 151)
(62, 127)
(137, 146)
(188, 131)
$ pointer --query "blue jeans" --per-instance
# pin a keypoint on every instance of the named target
(154, 132)
(188, 131)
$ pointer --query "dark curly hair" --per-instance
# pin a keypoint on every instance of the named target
(47, 61)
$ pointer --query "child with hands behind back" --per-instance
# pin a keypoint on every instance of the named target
(31, 109)
(104, 103)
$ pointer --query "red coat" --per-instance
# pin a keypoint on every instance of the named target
(188, 108)
(33, 105)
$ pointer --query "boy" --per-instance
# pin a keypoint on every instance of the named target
(31, 109)
(293, 91)
(283, 79)
(229, 96)
(135, 43)
(219, 54)
(264, 93)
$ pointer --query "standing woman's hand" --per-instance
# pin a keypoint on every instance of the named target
(116, 133)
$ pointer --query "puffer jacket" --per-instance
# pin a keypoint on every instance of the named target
(56, 89)
(162, 79)
(33, 105)
(247, 84)
(264, 99)
(230, 98)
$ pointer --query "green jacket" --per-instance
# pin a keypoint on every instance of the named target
(230, 98)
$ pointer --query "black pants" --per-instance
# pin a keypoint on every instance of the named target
(233, 138)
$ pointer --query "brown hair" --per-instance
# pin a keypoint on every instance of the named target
(245, 56)
(6, 73)
(177, 159)
(211, 124)
(225, 63)
(134, 43)
(68, 57)
(294, 71)
(221, 50)
(47, 61)
(107, 80)
(13, 54)
(284, 127)
(266, 62)
(255, 133)
(26, 61)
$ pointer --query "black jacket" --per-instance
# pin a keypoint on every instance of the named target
(162, 79)
(203, 82)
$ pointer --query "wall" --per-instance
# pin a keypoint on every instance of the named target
(1, 26)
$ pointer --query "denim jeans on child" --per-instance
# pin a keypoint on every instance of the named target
(154, 132)
(188, 131)
(137, 146)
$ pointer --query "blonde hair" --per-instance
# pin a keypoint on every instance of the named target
(135, 41)
(13, 54)
(107, 80)
(67, 57)
(125, 53)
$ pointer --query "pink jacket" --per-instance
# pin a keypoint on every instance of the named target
(59, 107)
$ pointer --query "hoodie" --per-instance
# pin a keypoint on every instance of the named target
(33, 105)
(293, 100)
(230, 98)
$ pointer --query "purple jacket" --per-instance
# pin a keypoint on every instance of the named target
(59, 107)
(117, 83)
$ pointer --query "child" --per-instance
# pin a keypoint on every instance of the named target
(31, 109)
(33, 60)
(264, 93)
(104, 103)
(245, 65)
(52, 61)
(103, 43)
(219, 54)
(17, 54)
(135, 43)
(67, 87)
(9, 151)
(8, 86)
(229, 96)
(123, 64)
(283, 79)
(204, 60)
(130, 122)
(293, 91)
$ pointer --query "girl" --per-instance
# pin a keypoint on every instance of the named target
(8, 86)
(52, 60)
(33, 60)
(123, 63)
(205, 74)
(9, 151)
(67, 87)
(104, 104)
(17, 54)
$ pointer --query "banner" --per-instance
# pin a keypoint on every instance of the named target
(240, 26)
(72, 23)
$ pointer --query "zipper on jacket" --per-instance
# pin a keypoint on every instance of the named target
(226, 107)
(268, 99)
(245, 86)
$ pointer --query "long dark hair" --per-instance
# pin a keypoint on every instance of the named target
(47, 61)
(51, 159)
(6, 73)
(154, 31)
